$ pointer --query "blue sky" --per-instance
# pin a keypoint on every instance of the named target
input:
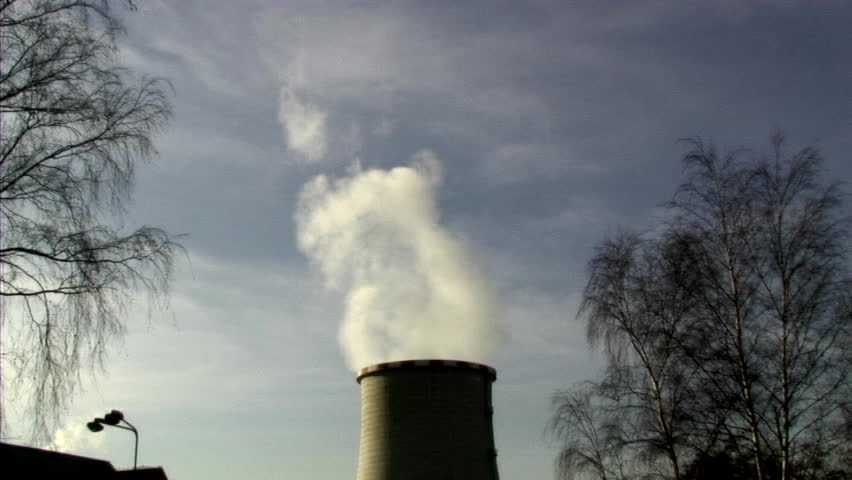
(552, 125)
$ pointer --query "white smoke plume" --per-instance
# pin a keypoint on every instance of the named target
(304, 126)
(412, 289)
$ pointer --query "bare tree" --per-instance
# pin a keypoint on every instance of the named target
(727, 330)
(592, 441)
(636, 304)
(74, 125)
(714, 217)
(770, 244)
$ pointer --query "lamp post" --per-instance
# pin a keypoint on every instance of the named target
(113, 419)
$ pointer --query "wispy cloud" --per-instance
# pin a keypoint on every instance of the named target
(304, 126)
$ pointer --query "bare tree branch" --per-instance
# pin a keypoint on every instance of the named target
(727, 333)
(74, 126)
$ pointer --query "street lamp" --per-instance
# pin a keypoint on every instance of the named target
(113, 419)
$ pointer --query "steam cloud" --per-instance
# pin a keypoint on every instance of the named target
(304, 126)
(412, 290)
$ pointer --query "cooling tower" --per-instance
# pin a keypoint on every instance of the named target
(427, 420)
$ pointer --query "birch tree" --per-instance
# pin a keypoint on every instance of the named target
(728, 328)
(74, 127)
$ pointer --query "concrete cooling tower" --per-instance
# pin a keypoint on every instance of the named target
(427, 420)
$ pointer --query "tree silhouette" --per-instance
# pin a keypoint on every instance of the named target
(728, 329)
(74, 126)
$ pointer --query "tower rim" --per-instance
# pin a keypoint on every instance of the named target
(426, 364)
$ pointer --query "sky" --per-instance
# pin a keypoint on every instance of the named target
(348, 173)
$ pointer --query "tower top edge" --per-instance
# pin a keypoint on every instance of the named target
(426, 364)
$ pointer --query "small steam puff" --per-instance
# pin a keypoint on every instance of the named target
(304, 126)
(412, 289)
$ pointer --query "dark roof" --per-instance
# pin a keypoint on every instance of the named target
(28, 463)
(142, 473)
